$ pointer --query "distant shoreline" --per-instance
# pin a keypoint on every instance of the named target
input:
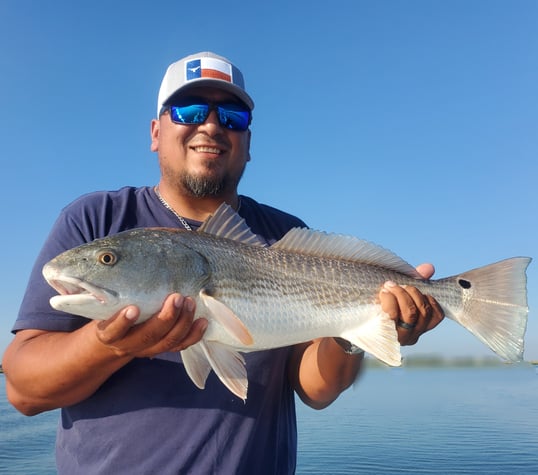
(437, 361)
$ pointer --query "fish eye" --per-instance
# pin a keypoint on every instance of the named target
(108, 258)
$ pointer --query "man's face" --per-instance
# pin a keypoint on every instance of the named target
(205, 159)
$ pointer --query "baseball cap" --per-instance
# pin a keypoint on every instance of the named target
(203, 69)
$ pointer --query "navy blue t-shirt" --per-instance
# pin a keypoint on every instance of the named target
(148, 417)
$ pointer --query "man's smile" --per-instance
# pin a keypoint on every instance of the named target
(207, 149)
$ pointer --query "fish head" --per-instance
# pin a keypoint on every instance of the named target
(138, 267)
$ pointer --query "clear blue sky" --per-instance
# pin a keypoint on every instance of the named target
(413, 124)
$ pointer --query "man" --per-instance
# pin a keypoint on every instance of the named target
(127, 404)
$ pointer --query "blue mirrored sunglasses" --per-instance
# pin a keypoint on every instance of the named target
(231, 116)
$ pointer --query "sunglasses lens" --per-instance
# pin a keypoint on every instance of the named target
(191, 114)
(233, 116)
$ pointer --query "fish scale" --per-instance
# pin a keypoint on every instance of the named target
(304, 294)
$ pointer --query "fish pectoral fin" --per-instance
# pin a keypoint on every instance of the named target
(227, 318)
(196, 364)
(229, 366)
(377, 336)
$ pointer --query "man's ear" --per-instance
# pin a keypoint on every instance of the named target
(248, 145)
(154, 131)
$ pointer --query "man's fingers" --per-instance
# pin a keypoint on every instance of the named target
(413, 312)
(437, 313)
(185, 330)
(398, 304)
(173, 326)
(116, 327)
(195, 334)
(153, 332)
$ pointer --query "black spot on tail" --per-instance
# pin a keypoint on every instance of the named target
(464, 283)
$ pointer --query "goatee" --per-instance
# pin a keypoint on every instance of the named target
(201, 186)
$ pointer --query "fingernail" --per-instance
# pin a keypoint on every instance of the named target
(131, 314)
(389, 284)
(178, 301)
(190, 304)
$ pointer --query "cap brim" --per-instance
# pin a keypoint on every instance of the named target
(214, 83)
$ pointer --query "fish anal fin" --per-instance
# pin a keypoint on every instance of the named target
(229, 366)
(377, 336)
(227, 318)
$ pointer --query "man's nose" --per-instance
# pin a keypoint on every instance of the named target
(212, 120)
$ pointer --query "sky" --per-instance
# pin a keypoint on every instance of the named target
(412, 124)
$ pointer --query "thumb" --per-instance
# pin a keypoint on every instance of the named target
(426, 270)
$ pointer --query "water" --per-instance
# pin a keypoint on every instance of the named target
(398, 421)
(26, 443)
(426, 421)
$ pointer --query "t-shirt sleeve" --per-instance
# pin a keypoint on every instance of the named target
(35, 311)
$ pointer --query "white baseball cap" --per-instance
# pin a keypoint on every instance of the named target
(202, 69)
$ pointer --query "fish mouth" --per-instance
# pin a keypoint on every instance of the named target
(74, 291)
(72, 286)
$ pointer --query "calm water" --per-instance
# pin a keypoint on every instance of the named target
(427, 421)
(398, 421)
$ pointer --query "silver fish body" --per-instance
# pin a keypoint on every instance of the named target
(306, 286)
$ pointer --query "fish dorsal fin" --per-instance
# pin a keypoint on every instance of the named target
(336, 246)
(226, 223)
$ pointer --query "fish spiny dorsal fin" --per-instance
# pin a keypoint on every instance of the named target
(226, 223)
(336, 246)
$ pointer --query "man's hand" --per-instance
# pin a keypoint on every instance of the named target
(46, 370)
(173, 328)
(413, 312)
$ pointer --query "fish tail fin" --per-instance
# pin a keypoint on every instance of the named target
(378, 337)
(494, 306)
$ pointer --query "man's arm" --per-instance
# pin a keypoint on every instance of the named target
(320, 370)
(46, 370)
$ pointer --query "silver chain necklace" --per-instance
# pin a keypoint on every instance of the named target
(172, 210)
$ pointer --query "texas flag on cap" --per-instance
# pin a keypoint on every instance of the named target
(208, 68)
